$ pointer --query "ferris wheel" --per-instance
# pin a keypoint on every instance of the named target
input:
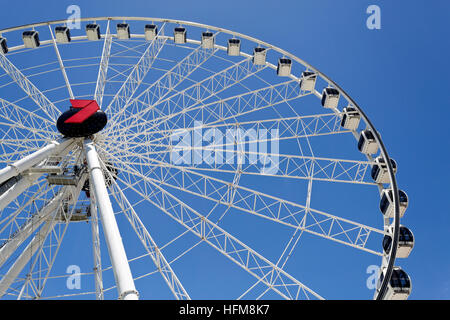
(171, 159)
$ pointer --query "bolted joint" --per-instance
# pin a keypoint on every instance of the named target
(124, 295)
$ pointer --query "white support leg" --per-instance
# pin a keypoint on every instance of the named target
(20, 186)
(27, 162)
(96, 249)
(119, 261)
(25, 256)
(33, 224)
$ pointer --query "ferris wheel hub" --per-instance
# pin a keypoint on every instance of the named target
(83, 119)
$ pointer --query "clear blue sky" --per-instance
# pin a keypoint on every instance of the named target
(399, 76)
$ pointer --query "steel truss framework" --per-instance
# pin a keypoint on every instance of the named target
(155, 92)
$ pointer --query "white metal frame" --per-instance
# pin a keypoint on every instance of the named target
(176, 107)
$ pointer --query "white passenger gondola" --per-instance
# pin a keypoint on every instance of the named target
(31, 39)
(179, 35)
(234, 47)
(93, 31)
(350, 118)
(387, 203)
(259, 56)
(207, 40)
(284, 67)
(380, 172)
(123, 31)
(405, 242)
(330, 97)
(62, 34)
(399, 286)
(3, 45)
(367, 143)
(151, 31)
(308, 81)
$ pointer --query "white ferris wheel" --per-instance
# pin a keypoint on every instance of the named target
(171, 159)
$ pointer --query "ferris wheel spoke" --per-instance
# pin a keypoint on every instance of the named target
(103, 68)
(61, 64)
(137, 75)
(269, 207)
(232, 108)
(29, 88)
(166, 84)
(255, 163)
(129, 49)
(284, 128)
(313, 221)
(26, 119)
(254, 263)
(284, 257)
(197, 93)
(332, 171)
(124, 73)
(278, 210)
(18, 135)
(150, 245)
(296, 167)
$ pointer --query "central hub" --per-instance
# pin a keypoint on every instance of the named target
(83, 119)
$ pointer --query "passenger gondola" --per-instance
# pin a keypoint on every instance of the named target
(380, 172)
(405, 242)
(234, 47)
(93, 31)
(387, 203)
(151, 31)
(62, 34)
(259, 56)
(284, 67)
(367, 143)
(350, 118)
(330, 98)
(399, 286)
(308, 81)
(123, 31)
(179, 35)
(31, 39)
(207, 40)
